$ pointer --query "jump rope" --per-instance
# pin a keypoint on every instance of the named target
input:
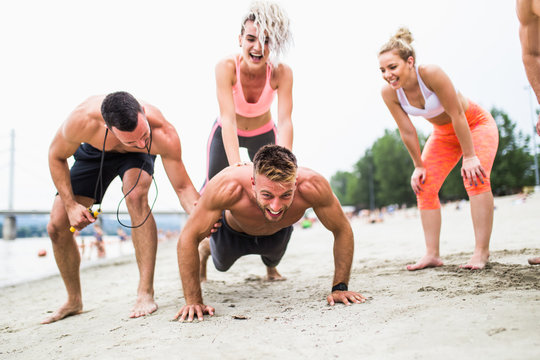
(99, 183)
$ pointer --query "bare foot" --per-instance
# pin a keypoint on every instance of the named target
(428, 261)
(68, 309)
(534, 261)
(477, 262)
(273, 275)
(144, 305)
(204, 253)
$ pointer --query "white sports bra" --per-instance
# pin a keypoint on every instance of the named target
(432, 107)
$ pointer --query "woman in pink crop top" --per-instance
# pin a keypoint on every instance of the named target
(246, 86)
(460, 127)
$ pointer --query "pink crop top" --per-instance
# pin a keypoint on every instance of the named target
(242, 107)
(432, 106)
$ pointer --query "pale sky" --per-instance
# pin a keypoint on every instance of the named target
(57, 53)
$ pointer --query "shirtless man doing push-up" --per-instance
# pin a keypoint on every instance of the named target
(259, 203)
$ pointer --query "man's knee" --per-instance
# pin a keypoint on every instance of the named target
(204, 248)
(52, 229)
(222, 263)
(137, 198)
(58, 221)
(222, 267)
(56, 228)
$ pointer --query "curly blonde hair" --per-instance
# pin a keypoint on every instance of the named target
(401, 42)
(272, 21)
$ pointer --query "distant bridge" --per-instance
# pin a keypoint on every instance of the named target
(10, 218)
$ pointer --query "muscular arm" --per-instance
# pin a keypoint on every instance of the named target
(220, 194)
(285, 104)
(66, 141)
(196, 229)
(168, 146)
(529, 35)
(316, 190)
(331, 215)
(224, 79)
(59, 151)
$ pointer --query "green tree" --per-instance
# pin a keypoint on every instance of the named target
(393, 168)
(366, 196)
(453, 188)
(514, 165)
(344, 185)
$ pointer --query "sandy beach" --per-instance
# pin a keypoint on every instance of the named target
(439, 313)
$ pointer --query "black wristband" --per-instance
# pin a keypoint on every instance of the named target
(341, 287)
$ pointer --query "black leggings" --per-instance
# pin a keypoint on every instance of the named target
(216, 158)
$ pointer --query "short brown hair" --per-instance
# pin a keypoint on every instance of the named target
(121, 110)
(275, 162)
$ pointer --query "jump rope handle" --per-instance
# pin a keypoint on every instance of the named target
(94, 213)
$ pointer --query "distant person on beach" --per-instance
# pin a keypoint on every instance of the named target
(98, 241)
(528, 12)
(82, 245)
(109, 136)
(259, 203)
(123, 239)
(460, 128)
(122, 236)
(247, 84)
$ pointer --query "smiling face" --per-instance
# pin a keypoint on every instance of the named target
(139, 138)
(272, 197)
(252, 50)
(394, 69)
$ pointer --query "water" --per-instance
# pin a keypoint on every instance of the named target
(35, 225)
(19, 260)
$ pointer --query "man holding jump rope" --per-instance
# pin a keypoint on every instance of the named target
(109, 136)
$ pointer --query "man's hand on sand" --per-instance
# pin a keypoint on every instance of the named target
(187, 312)
(346, 297)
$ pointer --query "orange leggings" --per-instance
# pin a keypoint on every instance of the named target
(442, 152)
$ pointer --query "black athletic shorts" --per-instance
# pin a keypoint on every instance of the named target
(227, 245)
(84, 173)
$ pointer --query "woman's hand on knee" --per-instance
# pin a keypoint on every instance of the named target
(471, 170)
(418, 178)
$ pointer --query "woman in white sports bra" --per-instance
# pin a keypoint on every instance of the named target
(460, 127)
